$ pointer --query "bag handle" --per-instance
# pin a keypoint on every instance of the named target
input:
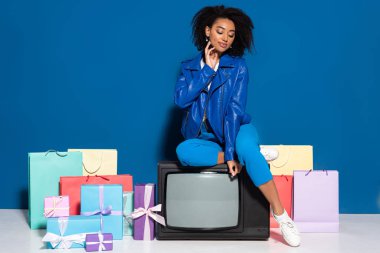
(96, 170)
(102, 177)
(286, 177)
(56, 152)
(286, 160)
(307, 173)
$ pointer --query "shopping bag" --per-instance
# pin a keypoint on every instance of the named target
(316, 200)
(44, 170)
(127, 210)
(284, 185)
(98, 161)
(290, 158)
(71, 186)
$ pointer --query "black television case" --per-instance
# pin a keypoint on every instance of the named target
(253, 220)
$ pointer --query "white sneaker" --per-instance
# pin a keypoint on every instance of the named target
(289, 230)
(269, 154)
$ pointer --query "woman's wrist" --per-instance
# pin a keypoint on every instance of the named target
(220, 158)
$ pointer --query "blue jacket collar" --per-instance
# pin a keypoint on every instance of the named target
(226, 61)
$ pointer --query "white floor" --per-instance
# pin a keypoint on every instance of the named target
(358, 234)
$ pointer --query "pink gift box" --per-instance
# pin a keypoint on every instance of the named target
(56, 206)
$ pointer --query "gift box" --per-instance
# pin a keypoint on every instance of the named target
(143, 216)
(316, 201)
(44, 170)
(70, 232)
(56, 206)
(71, 187)
(99, 242)
(98, 161)
(127, 210)
(105, 201)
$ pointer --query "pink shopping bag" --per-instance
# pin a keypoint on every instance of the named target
(316, 200)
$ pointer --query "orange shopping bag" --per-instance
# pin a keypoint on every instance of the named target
(71, 186)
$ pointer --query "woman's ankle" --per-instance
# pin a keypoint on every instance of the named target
(281, 217)
(278, 211)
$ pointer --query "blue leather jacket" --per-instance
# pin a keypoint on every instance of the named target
(223, 105)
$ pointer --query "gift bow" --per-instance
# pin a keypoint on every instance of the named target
(148, 212)
(63, 242)
(101, 242)
(102, 211)
(52, 210)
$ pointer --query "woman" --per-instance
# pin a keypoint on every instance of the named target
(212, 89)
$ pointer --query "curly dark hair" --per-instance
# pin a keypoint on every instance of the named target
(243, 26)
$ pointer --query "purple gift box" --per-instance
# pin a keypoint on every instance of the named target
(143, 192)
(56, 206)
(98, 242)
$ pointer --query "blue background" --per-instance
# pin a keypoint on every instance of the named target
(101, 74)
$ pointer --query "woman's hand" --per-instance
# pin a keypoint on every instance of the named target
(212, 57)
(234, 167)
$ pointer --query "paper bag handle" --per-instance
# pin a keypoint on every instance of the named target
(286, 161)
(96, 170)
(284, 176)
(55, 151)
(307, 173)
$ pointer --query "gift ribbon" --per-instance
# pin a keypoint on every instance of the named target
(63, 242)
(148, 212)
(101, 242)
(54, 208)
(102, 211)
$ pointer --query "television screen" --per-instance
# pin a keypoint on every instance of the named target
(205, 203)
(207, 200)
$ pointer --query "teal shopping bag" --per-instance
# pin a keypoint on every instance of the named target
(44, 171)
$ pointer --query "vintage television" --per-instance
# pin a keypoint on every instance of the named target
(205, 203)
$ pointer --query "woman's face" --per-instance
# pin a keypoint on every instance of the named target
(221, 34)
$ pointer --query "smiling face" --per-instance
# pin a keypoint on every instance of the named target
(221, 34)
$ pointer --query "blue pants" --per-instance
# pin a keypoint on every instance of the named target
(203, 151)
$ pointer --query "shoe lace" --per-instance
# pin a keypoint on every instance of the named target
(290, 225)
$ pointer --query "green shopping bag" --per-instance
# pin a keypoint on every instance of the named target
(44, 171)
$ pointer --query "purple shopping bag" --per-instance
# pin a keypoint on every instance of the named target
(316, 200)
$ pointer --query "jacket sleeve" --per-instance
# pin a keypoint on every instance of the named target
(235, 112)
(187, 90)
